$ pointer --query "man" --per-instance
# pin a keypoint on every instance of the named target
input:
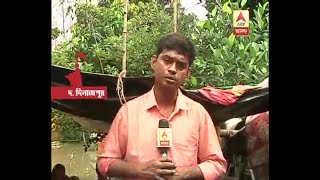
(59, 172)
(129, 150)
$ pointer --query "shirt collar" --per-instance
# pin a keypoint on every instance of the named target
(151, 100)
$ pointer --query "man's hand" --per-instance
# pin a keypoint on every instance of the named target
(187, 173)
(179, 175)
(157, 169)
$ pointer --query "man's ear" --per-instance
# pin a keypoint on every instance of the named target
(153, 61)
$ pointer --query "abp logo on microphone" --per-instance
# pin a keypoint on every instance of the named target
(164, 137)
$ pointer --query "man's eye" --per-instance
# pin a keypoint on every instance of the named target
(166, 60)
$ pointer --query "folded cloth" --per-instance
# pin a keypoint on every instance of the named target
(224, 97)
(229, 96)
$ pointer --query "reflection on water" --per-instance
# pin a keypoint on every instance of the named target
(77, 162)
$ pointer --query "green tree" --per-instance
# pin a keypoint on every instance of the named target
(223, 59)
(228, 60)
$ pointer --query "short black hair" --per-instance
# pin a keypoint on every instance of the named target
(178, 42)
(74, 178)
(59, 166)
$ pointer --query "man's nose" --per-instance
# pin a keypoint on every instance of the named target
(173, 68)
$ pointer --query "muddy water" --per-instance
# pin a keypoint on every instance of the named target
(77, 162)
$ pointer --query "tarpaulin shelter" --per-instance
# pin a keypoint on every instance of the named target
(252, 101)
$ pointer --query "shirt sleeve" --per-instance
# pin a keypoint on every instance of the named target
(212, 162)
(113, 146)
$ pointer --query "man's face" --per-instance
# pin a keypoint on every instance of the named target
(170, 68)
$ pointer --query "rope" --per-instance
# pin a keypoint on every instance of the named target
(122, 73)
(120, 87)
(124, 58)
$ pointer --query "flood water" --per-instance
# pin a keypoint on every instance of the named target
(77, 162)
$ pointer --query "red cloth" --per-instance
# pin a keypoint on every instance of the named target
(257, 129)
(224, 97)
(229, 96)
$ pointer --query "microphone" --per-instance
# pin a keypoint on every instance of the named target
(164, 137)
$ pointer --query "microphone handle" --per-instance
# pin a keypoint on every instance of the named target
(164, 152)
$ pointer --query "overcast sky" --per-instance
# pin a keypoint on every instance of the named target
(194, 6)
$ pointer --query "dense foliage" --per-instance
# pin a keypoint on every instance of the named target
(223, 58)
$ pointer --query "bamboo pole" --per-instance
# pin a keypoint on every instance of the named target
(125, 34)
(175, 14)
(123, 73)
